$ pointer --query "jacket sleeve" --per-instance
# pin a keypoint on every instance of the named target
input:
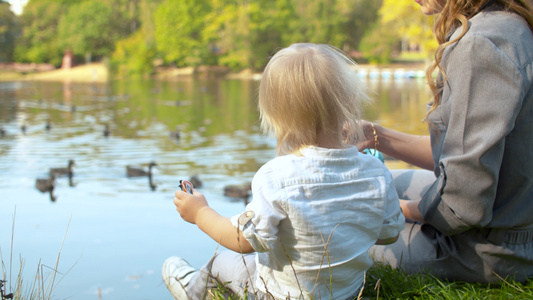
(481, 98)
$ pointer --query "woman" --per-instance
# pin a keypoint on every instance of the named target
(471, 219)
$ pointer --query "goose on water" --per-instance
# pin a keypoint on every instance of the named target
(45, 185)
(63, 171)
(107, 131)
(175, 135)
(138, 172)
(196, 182)
(239, 191)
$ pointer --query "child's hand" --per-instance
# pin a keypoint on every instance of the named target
(188, 205)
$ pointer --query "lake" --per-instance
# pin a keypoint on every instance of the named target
(110, 233)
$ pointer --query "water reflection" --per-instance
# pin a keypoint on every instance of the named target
(123, 227)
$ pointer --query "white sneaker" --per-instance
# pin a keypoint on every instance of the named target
(177, 274)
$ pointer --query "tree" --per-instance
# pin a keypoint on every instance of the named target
(39, 42)
(400, 21)
(178, 32)
(134, 55)
(359, 15)
(9, 30)
(246, 33)
(91, 28)
(340, 23)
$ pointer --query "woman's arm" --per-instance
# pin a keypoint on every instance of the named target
(413, 149)
(195, 209)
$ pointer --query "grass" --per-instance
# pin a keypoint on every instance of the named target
(40, 288)
(383, 282)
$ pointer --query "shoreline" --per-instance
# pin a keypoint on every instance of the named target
(99, 73)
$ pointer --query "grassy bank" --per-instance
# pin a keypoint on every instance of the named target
(383, 282)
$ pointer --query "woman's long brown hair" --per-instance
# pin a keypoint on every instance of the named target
(456, 13)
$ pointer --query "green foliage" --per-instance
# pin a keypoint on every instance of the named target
(383, 282)
(378, 44)
(403, 19)
(91, 28)
(9, 30)
(234, 33)
(178, 31)
(39, 42)
(360, 15)
(134, 55)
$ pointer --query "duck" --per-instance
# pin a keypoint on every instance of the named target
(45, 185)
(71, 182)
(138, 172)
(48, 125)
(2, 132)
(239, 191)
(63, 171)
(196, 182)
(175, 134)
(151, 183)
(23, 128)
(107, 132)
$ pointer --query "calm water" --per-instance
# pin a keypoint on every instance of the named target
(113, 232)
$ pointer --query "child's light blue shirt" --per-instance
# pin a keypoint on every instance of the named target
(313, 218)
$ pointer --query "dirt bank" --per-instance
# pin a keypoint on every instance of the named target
(97, 72)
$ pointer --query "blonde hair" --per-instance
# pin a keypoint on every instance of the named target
(307, 89)
(456, 13)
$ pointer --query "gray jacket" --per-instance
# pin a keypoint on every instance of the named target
(483, 142)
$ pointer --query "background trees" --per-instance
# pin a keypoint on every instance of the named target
(9, 30)
(92, 28)
(234, 33)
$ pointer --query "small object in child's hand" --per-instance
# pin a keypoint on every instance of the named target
(186, 186)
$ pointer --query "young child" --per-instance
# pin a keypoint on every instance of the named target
(316, 209)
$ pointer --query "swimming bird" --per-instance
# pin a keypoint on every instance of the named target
(196, 182)
(107, 132)
(2, 132)
(239, 191)
(63, 171)
(138, 172)
(45, 185)
(151, 183)
(175, 134)
(23, 128)
(48, 125)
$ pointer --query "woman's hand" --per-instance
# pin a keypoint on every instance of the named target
(366, 141)
(410, 210)
(188, 205)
